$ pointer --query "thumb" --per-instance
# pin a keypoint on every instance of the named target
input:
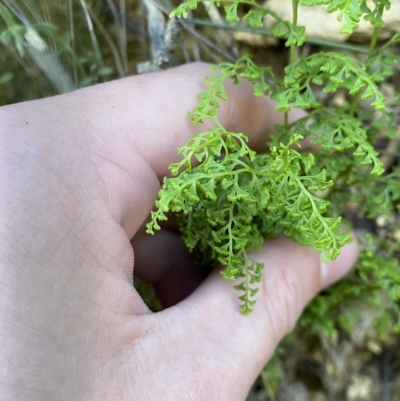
(292, 276)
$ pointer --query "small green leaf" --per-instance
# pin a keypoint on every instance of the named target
(231, 13)
(4, 78)
(280, 29)
(255, 17)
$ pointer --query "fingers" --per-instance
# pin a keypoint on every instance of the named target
(154, 108)
(149, 112)
(135, 126)
(292, 276)
(164, 261)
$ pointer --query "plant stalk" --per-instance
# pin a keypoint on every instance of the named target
(375, 33)
(295, 6)
(292, 56)
(372, 47)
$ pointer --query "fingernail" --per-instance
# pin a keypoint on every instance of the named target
(336, 269)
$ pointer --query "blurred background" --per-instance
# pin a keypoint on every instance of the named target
(53, 46)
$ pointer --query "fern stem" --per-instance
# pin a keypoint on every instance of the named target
(292, 57)
(295, 5)
(375, 33)
(372, 46)
(286, 118)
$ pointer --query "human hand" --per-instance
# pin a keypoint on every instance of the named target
(79, 174)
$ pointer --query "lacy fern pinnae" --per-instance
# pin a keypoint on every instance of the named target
(228, 198)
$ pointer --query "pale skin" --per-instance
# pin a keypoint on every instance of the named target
(79, 174)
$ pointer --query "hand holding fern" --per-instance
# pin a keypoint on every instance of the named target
(79, 174)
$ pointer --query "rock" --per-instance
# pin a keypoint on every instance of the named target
(296, 392)
(320, 24)
(360, 389)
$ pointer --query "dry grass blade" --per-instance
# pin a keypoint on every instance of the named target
(122, 37)
(156, 28)
(72, 38)
(118, 64)
(32, 9)
(17, 11)
(47, 61)
(95, 43)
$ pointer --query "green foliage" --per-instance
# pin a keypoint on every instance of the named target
(296, 34)
(147, 293)
(349, 12)
(234, 198)
(262, 79)
(272, 373)
(332, 71)
(254, 16)
(4, 78)
(375, 282)
(229, 199)
(374, 17)
(381, 63)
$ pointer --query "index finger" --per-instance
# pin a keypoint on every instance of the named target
(152, 111)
